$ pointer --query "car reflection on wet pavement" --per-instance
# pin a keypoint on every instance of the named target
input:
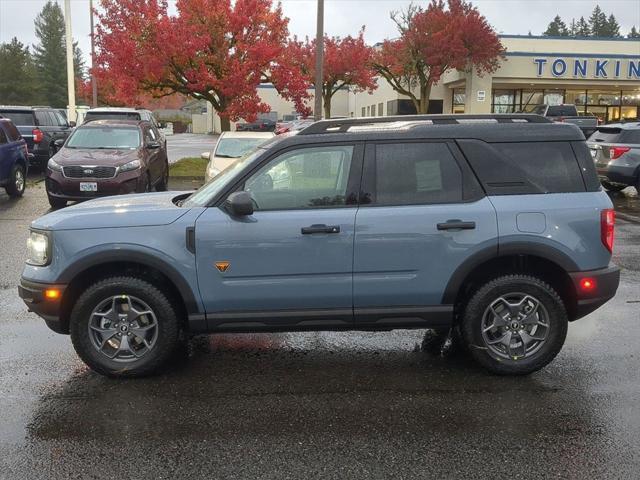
(320, 405)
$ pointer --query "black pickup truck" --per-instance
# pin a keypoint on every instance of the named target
(40, 127)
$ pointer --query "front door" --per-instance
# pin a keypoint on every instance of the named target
(424, 215)
(290, 263)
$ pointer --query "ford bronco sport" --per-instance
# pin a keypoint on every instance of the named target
(493, 227)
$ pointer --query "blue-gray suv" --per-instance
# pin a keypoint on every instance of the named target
(492, 228)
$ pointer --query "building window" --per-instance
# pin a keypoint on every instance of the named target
(373, 110)
(363, 112)
(380, 109)
(459, 99)
(368, 111)
(505, 101)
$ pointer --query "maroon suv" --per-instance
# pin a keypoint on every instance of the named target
(107, 157)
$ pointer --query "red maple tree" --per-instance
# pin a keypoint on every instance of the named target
(432, 41)
(346, 63)
(216, 50)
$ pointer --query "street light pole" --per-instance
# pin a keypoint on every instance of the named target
(71, 88)
(317, 111)
(94, 84)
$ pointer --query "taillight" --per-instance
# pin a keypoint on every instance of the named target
(607, 226)
(37, 135)
(615, 152)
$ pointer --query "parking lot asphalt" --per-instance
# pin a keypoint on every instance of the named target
(184, 145)
(319, 405)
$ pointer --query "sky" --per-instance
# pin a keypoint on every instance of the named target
(344, 17)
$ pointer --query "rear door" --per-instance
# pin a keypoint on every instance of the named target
(422, 214)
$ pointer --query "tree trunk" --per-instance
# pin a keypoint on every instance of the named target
(425, 93)
(225, 124)
(327, 106)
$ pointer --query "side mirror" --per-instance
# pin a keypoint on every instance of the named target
(153, 145)
(59, 143)
(205, 155)
(239, 204)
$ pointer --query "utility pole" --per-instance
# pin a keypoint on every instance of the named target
(71, 88)
(317, 110)
(94, 84)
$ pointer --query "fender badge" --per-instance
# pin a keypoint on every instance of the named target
(222, 266)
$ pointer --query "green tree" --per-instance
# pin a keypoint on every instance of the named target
(598, 23)
(582, 28)
(557, 28)
(613, 27)
(16, 74)
(633, 33)
(49, 56)
(573, 27)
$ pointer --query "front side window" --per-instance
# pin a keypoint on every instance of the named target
(413, 174)
(305, 178)
(105, 138)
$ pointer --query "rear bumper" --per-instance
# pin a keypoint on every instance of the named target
(604, 282)
(32, 293)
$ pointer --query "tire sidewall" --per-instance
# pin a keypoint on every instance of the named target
(154, 298)
(11, 187)
(474, 312)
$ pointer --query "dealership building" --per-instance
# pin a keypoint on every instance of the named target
(600, 76)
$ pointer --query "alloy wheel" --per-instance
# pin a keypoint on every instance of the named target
(19, 180)
(515, 326)
(123, 328)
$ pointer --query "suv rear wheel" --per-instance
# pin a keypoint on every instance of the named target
(124, 327)
(514, 325)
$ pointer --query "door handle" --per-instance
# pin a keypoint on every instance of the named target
(320, 228)
(456, 225)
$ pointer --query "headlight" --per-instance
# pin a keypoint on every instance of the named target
(132, 165)
(38, 249)
(53, 165)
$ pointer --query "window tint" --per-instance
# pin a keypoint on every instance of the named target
(18, 118)
(59, 119)
(562, 111)
(631, 136)
(527, 167)
(415, 173)
(305, 178)
(606, 135)
(12, 132)
(3, 137)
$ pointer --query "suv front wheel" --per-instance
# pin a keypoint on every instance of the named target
(514, 325)
(124, 326)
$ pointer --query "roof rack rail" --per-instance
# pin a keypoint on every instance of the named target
(343, 125)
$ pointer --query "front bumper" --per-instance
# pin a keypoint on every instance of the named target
(604, 283)
(59, 186)
(32, 293)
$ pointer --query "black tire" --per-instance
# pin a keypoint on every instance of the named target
(163, 183)
(145, 183)
(613, 187)
(17, 182)
(477, 307)
(56, 203)
(165, 342)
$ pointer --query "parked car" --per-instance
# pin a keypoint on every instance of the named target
(14, 159)
(283, 127)
(260, 125)
(615, 149)
(40, 127)
(230, 147)
(494, 227)
(107, 157)
(127, 113)
(568, 113)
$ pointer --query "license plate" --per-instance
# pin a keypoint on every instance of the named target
(88, 186)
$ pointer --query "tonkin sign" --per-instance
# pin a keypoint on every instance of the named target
(618, 68)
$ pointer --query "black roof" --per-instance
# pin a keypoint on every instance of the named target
(489, 128)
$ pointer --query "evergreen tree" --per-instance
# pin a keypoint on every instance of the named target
(613, 28)
(582, 28)
(633, 33)
(557, 28)
(50, 56)
(16, 74)
(598, 23)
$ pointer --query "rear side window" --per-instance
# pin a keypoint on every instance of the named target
(524, 168)
(414, 174)
(44, 119)
(12, 132)
(606, 135)
(631, 136)
(18, 118)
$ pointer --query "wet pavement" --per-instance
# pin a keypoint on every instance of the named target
(183, 145)
(319, 405)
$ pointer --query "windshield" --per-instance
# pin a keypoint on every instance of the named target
(105, 137)
(237, 147)
(203, 196)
